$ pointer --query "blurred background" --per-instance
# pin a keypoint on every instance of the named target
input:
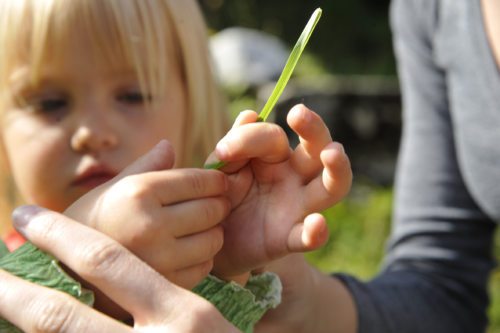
(347, 72)
(348, 75)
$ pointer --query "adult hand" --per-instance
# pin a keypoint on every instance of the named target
(276, 192)
(155, 304)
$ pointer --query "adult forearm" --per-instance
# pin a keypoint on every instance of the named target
(333, 308)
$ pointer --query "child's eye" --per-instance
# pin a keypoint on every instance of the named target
(134, 97)
(45, 104)
(51, 108)
(49, 105)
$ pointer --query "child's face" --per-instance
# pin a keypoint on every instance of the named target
(81, 126)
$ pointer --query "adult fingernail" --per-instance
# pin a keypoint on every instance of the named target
(21, 216)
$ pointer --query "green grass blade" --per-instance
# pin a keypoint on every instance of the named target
(215, 165)
(290, 64)
(292, 61)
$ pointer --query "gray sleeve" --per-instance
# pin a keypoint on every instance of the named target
(439, 255)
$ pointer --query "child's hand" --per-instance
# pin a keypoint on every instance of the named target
(275, 192)
(168, 218)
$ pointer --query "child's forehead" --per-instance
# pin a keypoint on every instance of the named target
(67, 55)
(102, 38)
(25, 75)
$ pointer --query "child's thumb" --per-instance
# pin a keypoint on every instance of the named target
(160, 157)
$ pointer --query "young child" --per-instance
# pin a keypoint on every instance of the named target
(89, 86)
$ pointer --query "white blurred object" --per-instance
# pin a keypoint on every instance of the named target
(247, 57)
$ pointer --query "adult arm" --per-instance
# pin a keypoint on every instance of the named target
(439, 257)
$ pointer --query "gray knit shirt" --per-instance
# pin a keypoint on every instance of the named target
(448, 179)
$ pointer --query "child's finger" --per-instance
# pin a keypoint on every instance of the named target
(313, 134)
(170, 253)
(198, 248)
(240, 279)
(185, 252)
(176, 185)
(264, 141)
(309, 235)
(34, 308)
(189, 277)
(333, 184)
(245, 117)
(191, 217)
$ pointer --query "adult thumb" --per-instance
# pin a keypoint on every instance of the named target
(160, 157)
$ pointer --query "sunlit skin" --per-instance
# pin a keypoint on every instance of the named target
(81, 125)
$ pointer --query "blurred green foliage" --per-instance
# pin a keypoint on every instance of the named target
(352, 37)
(358, 230)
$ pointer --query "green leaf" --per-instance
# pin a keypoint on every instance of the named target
(32, 264)
(292, 61)
(242, 306)
(3, 249)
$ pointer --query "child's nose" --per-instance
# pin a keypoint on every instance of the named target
(93, 136)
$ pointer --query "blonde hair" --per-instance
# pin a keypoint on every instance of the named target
(151, 36)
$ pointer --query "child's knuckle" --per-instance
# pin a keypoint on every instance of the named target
(196, 182)
(277, 132)
(208, 212)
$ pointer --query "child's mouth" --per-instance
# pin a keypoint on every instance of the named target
(93, 181)
(93, 177)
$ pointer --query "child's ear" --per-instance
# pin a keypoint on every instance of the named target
(160, 157)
